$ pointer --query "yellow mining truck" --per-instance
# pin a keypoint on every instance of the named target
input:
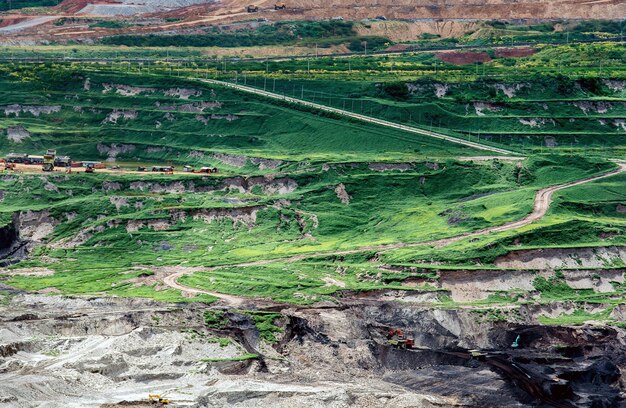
(48, 160)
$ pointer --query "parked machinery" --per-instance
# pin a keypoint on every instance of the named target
(280, 6)
(163, 169)
(159, 400)
(207, 170)
(252, 8)
(62, 161)
(9, 166)
(16, 158)
(48, 160)
(396, 337)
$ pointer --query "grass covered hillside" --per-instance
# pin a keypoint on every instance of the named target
(101, 115)
(118, 232)
(311, 205)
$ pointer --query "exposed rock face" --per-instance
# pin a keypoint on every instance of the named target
(481, 107)
(335, 355)
(126, 90)
(615, 85)
(594, 107)
(266, 163)
(113, 150)
(118, 114)
(231, 160)
(342, 194)
(537, 122)
(441, 90)
(175, 187)
(183, 93)
(509, 90)
(109, 186)
(197, 107)
(390, 166)
(475, 285)
(240, 215)
(119, 202)
(34, 225)
(35, 110)
(557, 258)
(17, 134)
(268, 185)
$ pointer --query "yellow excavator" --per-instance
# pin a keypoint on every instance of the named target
(252, 8)
(157, 399)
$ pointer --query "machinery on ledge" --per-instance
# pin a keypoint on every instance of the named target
(48, 160)
(163, 169)
(203, 170)
(158, 400)
(396, 338)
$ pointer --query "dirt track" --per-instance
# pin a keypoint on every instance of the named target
(543, 199)
(36, 168)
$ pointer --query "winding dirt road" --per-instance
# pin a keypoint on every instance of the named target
(543, 199)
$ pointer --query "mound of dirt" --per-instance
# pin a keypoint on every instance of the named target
(463, 58)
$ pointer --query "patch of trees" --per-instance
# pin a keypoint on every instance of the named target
(18, 4)
(322, 33)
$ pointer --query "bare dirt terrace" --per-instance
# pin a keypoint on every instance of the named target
(440, 18)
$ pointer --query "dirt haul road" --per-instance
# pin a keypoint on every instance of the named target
(360, 117)
(543, 199)
(36, 168)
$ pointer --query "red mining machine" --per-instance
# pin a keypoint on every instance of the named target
(396, 338)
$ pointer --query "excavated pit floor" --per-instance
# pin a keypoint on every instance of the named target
(108, 352)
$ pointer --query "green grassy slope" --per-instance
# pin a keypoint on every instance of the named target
(107, 226)
(227, 122)
(331, 185)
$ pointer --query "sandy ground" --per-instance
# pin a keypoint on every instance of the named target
(24, 25)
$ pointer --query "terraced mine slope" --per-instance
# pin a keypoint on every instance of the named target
(422, 228)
